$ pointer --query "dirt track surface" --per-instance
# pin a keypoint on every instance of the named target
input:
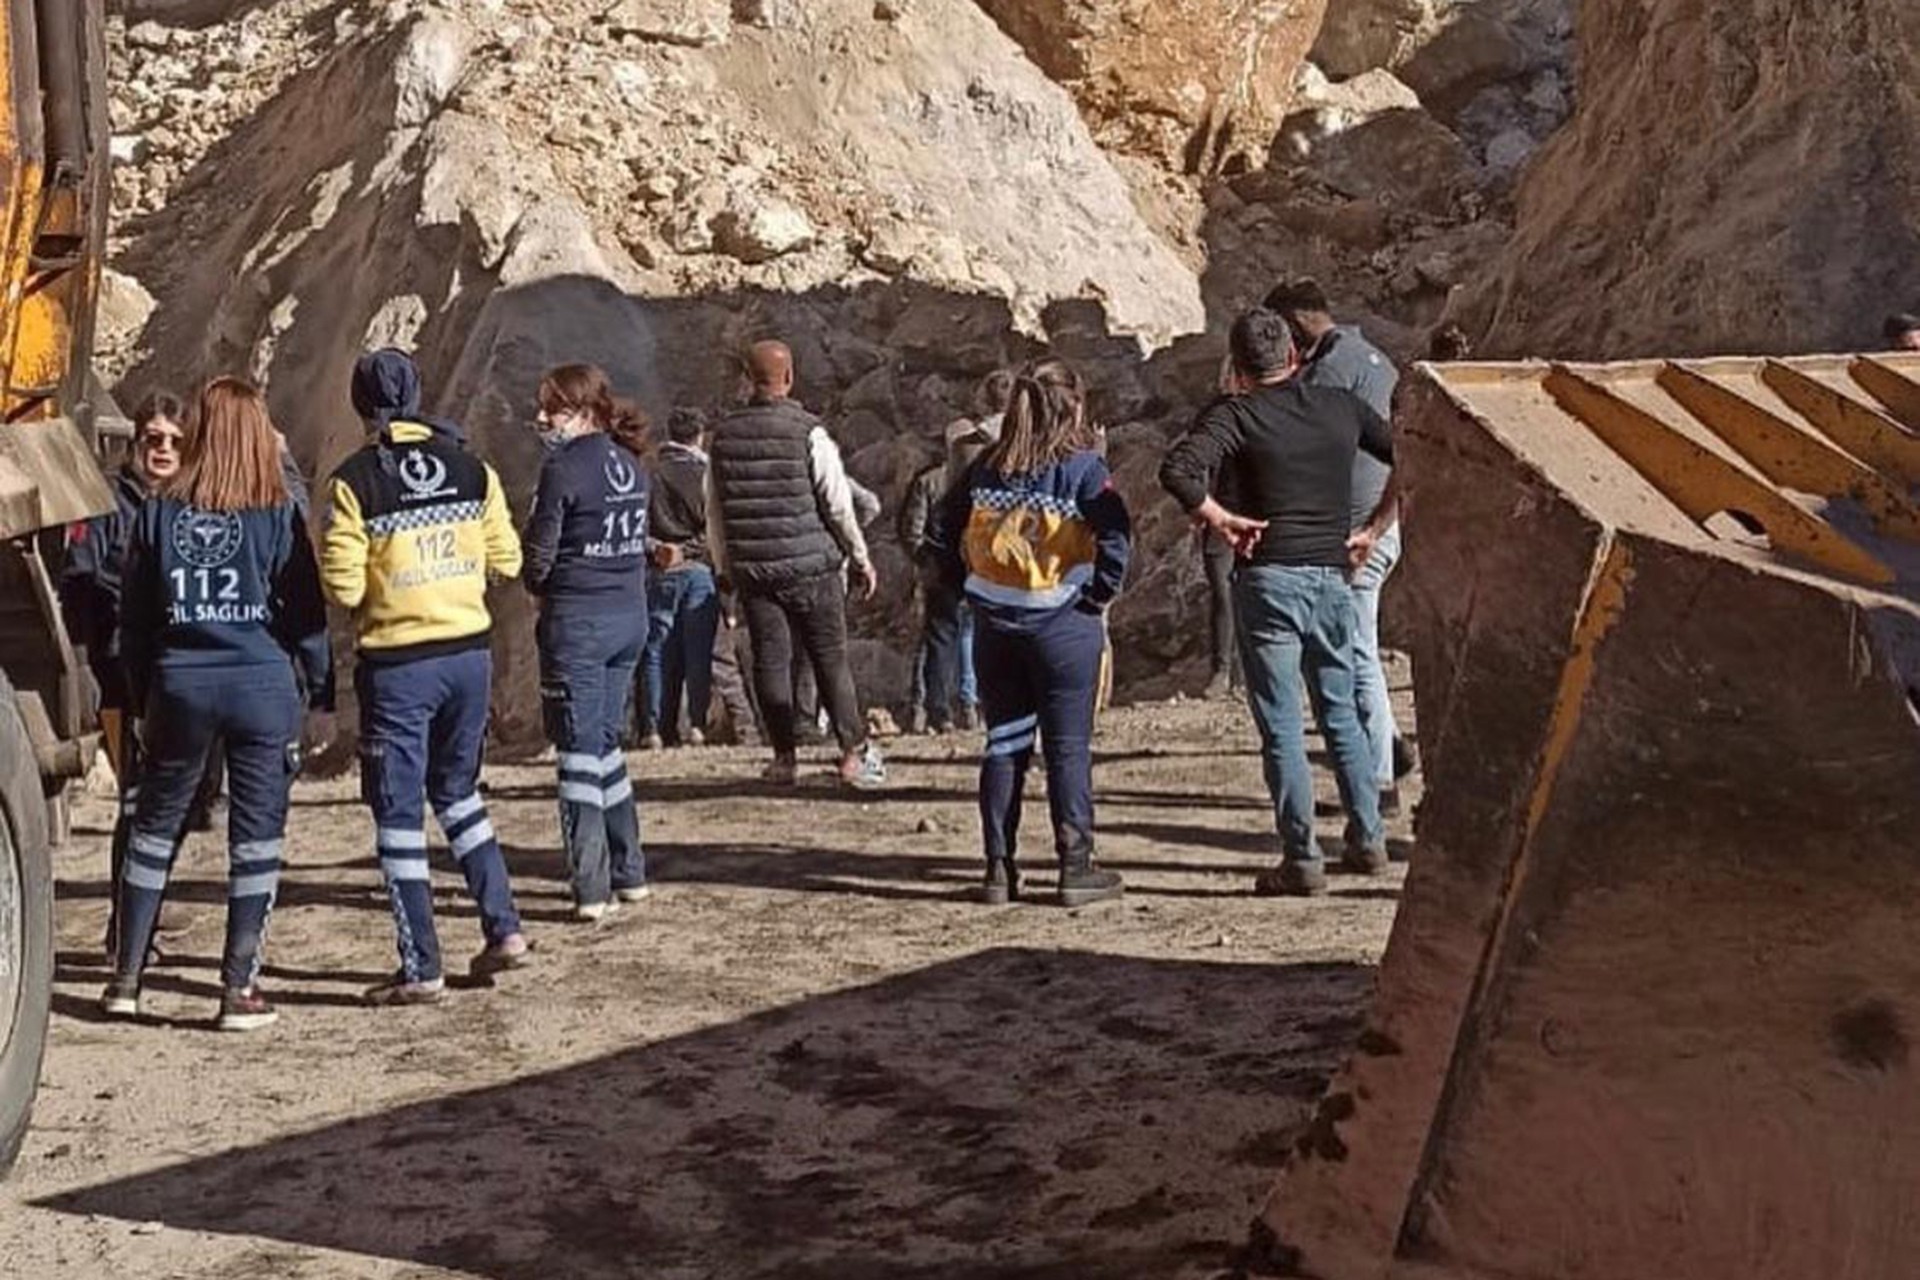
(807, 1056)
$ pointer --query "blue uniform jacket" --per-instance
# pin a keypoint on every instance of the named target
(223, 588)
(586, 542)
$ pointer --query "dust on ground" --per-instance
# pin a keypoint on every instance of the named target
(809, 1055)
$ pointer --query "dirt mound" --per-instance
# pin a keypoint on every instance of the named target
(1189, 83)
(507, 185)
(1739, 176)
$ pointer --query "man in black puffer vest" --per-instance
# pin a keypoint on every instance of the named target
(781, 528)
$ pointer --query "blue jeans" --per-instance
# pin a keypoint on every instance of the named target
(683, 613)
(253, 714)
(423, 728)
(943, 667)
(1294, 621)
(1369, 675)
(587, 661)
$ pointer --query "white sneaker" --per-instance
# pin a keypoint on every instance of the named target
(638, 893)
(594, 912)
(867, 771)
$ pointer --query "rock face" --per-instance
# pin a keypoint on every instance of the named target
(1188, 82)
(1738, 176)
(905, 198)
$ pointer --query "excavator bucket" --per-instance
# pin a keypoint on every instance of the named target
(1648, 1005)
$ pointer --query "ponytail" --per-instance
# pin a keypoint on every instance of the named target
(1046, 419)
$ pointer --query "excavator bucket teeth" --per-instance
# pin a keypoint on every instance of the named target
(1647, 1006)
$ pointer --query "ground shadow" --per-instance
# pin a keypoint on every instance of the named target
(1016, 1113)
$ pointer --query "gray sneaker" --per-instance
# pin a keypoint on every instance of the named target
(1293, 878)
(398, 991)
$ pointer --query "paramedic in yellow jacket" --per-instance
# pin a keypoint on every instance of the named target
(416, 528)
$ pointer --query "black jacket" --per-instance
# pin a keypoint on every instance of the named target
(762, 478)
(679, 513)
(91, 585)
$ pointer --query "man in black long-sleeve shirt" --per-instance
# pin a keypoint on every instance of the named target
(1286, 450)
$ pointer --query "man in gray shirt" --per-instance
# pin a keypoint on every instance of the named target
(1339, 356)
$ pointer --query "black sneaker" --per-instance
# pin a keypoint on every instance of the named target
(1002, 884)
(1363, 861)
(245, 1009)
(1082, 885)
(1293, 878)
(121, 999)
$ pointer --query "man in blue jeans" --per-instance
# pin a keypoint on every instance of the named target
(683, 601)
(1286, 450)
(1339, 356)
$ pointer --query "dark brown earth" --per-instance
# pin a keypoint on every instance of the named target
(808, 1056)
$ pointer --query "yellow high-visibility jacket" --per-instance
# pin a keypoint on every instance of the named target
(416, 527)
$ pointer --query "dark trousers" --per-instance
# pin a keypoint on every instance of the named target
(423, 728)
(683, 611)
(803, 618)
(587, 662)
(1042, 683)
(254, 713)
(1217, 554)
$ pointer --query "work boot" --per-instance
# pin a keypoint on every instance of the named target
(1292, 878)
(1363, 860)
(1089, 884)
(1081, 882)
(245, 1009)
(1002, 884)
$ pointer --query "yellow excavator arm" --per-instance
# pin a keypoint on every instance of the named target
(54, 195)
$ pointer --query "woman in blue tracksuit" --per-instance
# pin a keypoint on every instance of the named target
(223, 637)
(1042, 540)
(586, 556)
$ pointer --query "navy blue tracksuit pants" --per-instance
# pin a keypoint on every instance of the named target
(1039, 682)
(423, 728)
(254, 712)
(587, 661)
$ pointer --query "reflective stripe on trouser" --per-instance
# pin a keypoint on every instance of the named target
(587, 663)
(255, 712)
(1033, 685)
(423, 728)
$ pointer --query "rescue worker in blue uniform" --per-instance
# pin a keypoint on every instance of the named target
(223, 636)
(416, 528)
(586, 549)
